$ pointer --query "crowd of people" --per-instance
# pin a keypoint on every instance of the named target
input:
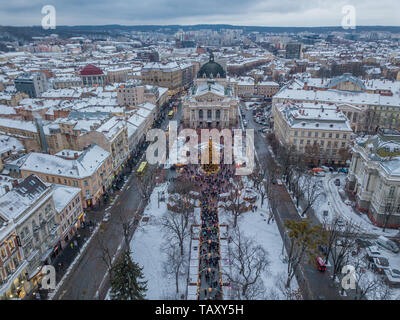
(209, 186)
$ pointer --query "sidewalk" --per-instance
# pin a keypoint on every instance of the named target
(65, 258)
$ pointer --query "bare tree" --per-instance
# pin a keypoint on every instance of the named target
(264, 176)
(284, 292)
(184, 203)
(342, 244)
(311, 192)
(176, 228)
(147, 182)
(105, 254)
(234, 203)
(249, 261)
(331, 235)
(174, 264)
(367, 286)
(388, 212)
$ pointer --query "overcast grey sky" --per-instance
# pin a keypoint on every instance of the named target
(237, 12)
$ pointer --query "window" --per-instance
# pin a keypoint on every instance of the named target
(295, 141)
(209, 114)
(345, 136)
(295, 133)
(316, 134)
(11, 244)
(309, 133)
(3, 253)
(391, 191)
(337, 135)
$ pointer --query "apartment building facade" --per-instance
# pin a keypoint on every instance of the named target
(374, 177)
(320, 132)
(90, 170)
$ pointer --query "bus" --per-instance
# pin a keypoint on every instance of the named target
(142, 168)
(171, 114)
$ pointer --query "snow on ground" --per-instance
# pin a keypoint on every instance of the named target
(146, 246)
(255, 225)
(332, 202)
(394, 262)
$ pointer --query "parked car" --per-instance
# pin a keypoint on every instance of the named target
(372, 253)
(392, 277)
(387, 244)
(380, 264)
(344, 170)
(107, 217)
(340, 222)
(326, 169)
(331, 169)
(321, 264)
(363, 243)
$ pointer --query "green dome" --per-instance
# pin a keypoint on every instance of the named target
(211, 68)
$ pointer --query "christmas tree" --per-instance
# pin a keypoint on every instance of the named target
(127, 280)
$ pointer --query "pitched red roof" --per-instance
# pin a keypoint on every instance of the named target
(90, 70)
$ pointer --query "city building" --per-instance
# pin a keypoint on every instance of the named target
(70, 215)
(30, 208)
(374, 177)
(321, 132)
(92, 76)
(212, 102)
(33, 84)
(90, 170)
(13, 266)
(173, 75)
(267, 88)
(293, 50)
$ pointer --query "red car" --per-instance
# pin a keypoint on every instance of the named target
(321, 264)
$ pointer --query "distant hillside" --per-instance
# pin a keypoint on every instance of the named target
(26, 33)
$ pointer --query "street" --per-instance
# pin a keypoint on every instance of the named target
(89, 279)
(314, 284)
